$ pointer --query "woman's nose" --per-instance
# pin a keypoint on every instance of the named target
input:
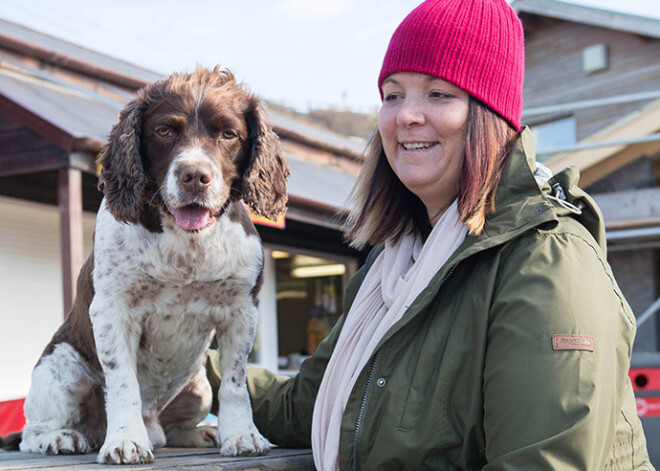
(410, 113)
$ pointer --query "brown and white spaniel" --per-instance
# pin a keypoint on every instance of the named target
(176, 261)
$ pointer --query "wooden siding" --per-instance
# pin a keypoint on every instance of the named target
(20, 149)
(554, 73)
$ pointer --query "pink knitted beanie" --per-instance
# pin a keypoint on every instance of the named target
(477, 45)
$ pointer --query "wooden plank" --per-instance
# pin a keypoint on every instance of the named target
(630, 209)
(201, 459)
(71, 231)
(615, 161)
(33, 161)
(632, 223)
(83, 161)
(42, 160)
(594, 164)
(41, 187)
(36, 123)
(21, 140)
(7, 123)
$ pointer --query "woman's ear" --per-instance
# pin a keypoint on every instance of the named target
(122, 178)
(263, 185)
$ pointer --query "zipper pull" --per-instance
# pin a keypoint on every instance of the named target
(560, 197)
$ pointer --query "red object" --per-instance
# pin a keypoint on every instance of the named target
(11, 416)
(477, 45)
(648, 406)
(645, 379)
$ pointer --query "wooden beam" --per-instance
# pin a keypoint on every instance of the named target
(632, 223)
(41, 160)
(597, 163)
(83, 161)
(593, 173)
(57, 59)
(71, 231)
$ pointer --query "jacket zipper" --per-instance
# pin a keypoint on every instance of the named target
(362, 407)
(370, 378)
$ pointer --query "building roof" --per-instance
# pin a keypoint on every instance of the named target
(327, 185)
(78, 114)
(116, 72)
(76, 111)
(591, 16)
(72, 117)
(13, 35)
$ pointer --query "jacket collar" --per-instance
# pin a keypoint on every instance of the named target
(521, 203)
(518, 199)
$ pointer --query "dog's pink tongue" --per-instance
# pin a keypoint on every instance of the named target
(192, 218)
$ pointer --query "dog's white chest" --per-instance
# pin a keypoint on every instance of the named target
(170, 351)
(172, 291)
(173, 269)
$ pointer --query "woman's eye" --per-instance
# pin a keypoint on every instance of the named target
(391, 96)
(163, 131)
(436, 94)
(228, 134)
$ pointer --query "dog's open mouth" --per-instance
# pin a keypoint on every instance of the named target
(192, 217)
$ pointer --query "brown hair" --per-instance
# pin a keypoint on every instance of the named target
(384, 208)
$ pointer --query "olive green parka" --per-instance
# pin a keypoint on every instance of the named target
(514, 357)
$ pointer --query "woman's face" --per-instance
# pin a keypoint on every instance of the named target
(423, 124)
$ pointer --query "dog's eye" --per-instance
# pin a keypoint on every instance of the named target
(163, 131)
(229, 134)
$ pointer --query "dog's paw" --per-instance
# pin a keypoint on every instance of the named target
(250, 442)
(124, 451)
(59, 442)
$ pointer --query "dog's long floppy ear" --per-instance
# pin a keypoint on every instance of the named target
(264, 180)
(122, 178)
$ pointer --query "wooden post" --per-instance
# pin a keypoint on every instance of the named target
(71, 231)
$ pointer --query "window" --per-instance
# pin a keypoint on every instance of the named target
(555, 134)
(300, 301)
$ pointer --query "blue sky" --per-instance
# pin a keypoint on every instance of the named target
(297, 52)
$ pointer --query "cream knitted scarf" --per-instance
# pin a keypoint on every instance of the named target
(397, 277)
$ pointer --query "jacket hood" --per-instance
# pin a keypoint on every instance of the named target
(522, 202)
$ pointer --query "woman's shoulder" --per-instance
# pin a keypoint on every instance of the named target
(563, 252)
(562, 237)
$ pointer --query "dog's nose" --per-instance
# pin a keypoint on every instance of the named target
(195, 178)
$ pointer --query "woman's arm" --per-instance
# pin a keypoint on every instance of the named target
(559, 346)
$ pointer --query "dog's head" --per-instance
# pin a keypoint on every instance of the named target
(186, 147)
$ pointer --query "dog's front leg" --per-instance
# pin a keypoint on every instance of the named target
(117, 338)
(237, 433)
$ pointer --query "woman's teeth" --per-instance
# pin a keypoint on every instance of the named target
(417, 145)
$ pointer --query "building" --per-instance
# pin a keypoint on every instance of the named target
(592, 97)
(58, 102)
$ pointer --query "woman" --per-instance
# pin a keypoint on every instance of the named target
(485, 330)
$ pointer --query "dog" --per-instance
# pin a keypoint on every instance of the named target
(176, 260)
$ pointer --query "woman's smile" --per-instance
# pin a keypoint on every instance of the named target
(417, 146)
(423, 124)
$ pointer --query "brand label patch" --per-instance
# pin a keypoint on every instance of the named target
(573, 342)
